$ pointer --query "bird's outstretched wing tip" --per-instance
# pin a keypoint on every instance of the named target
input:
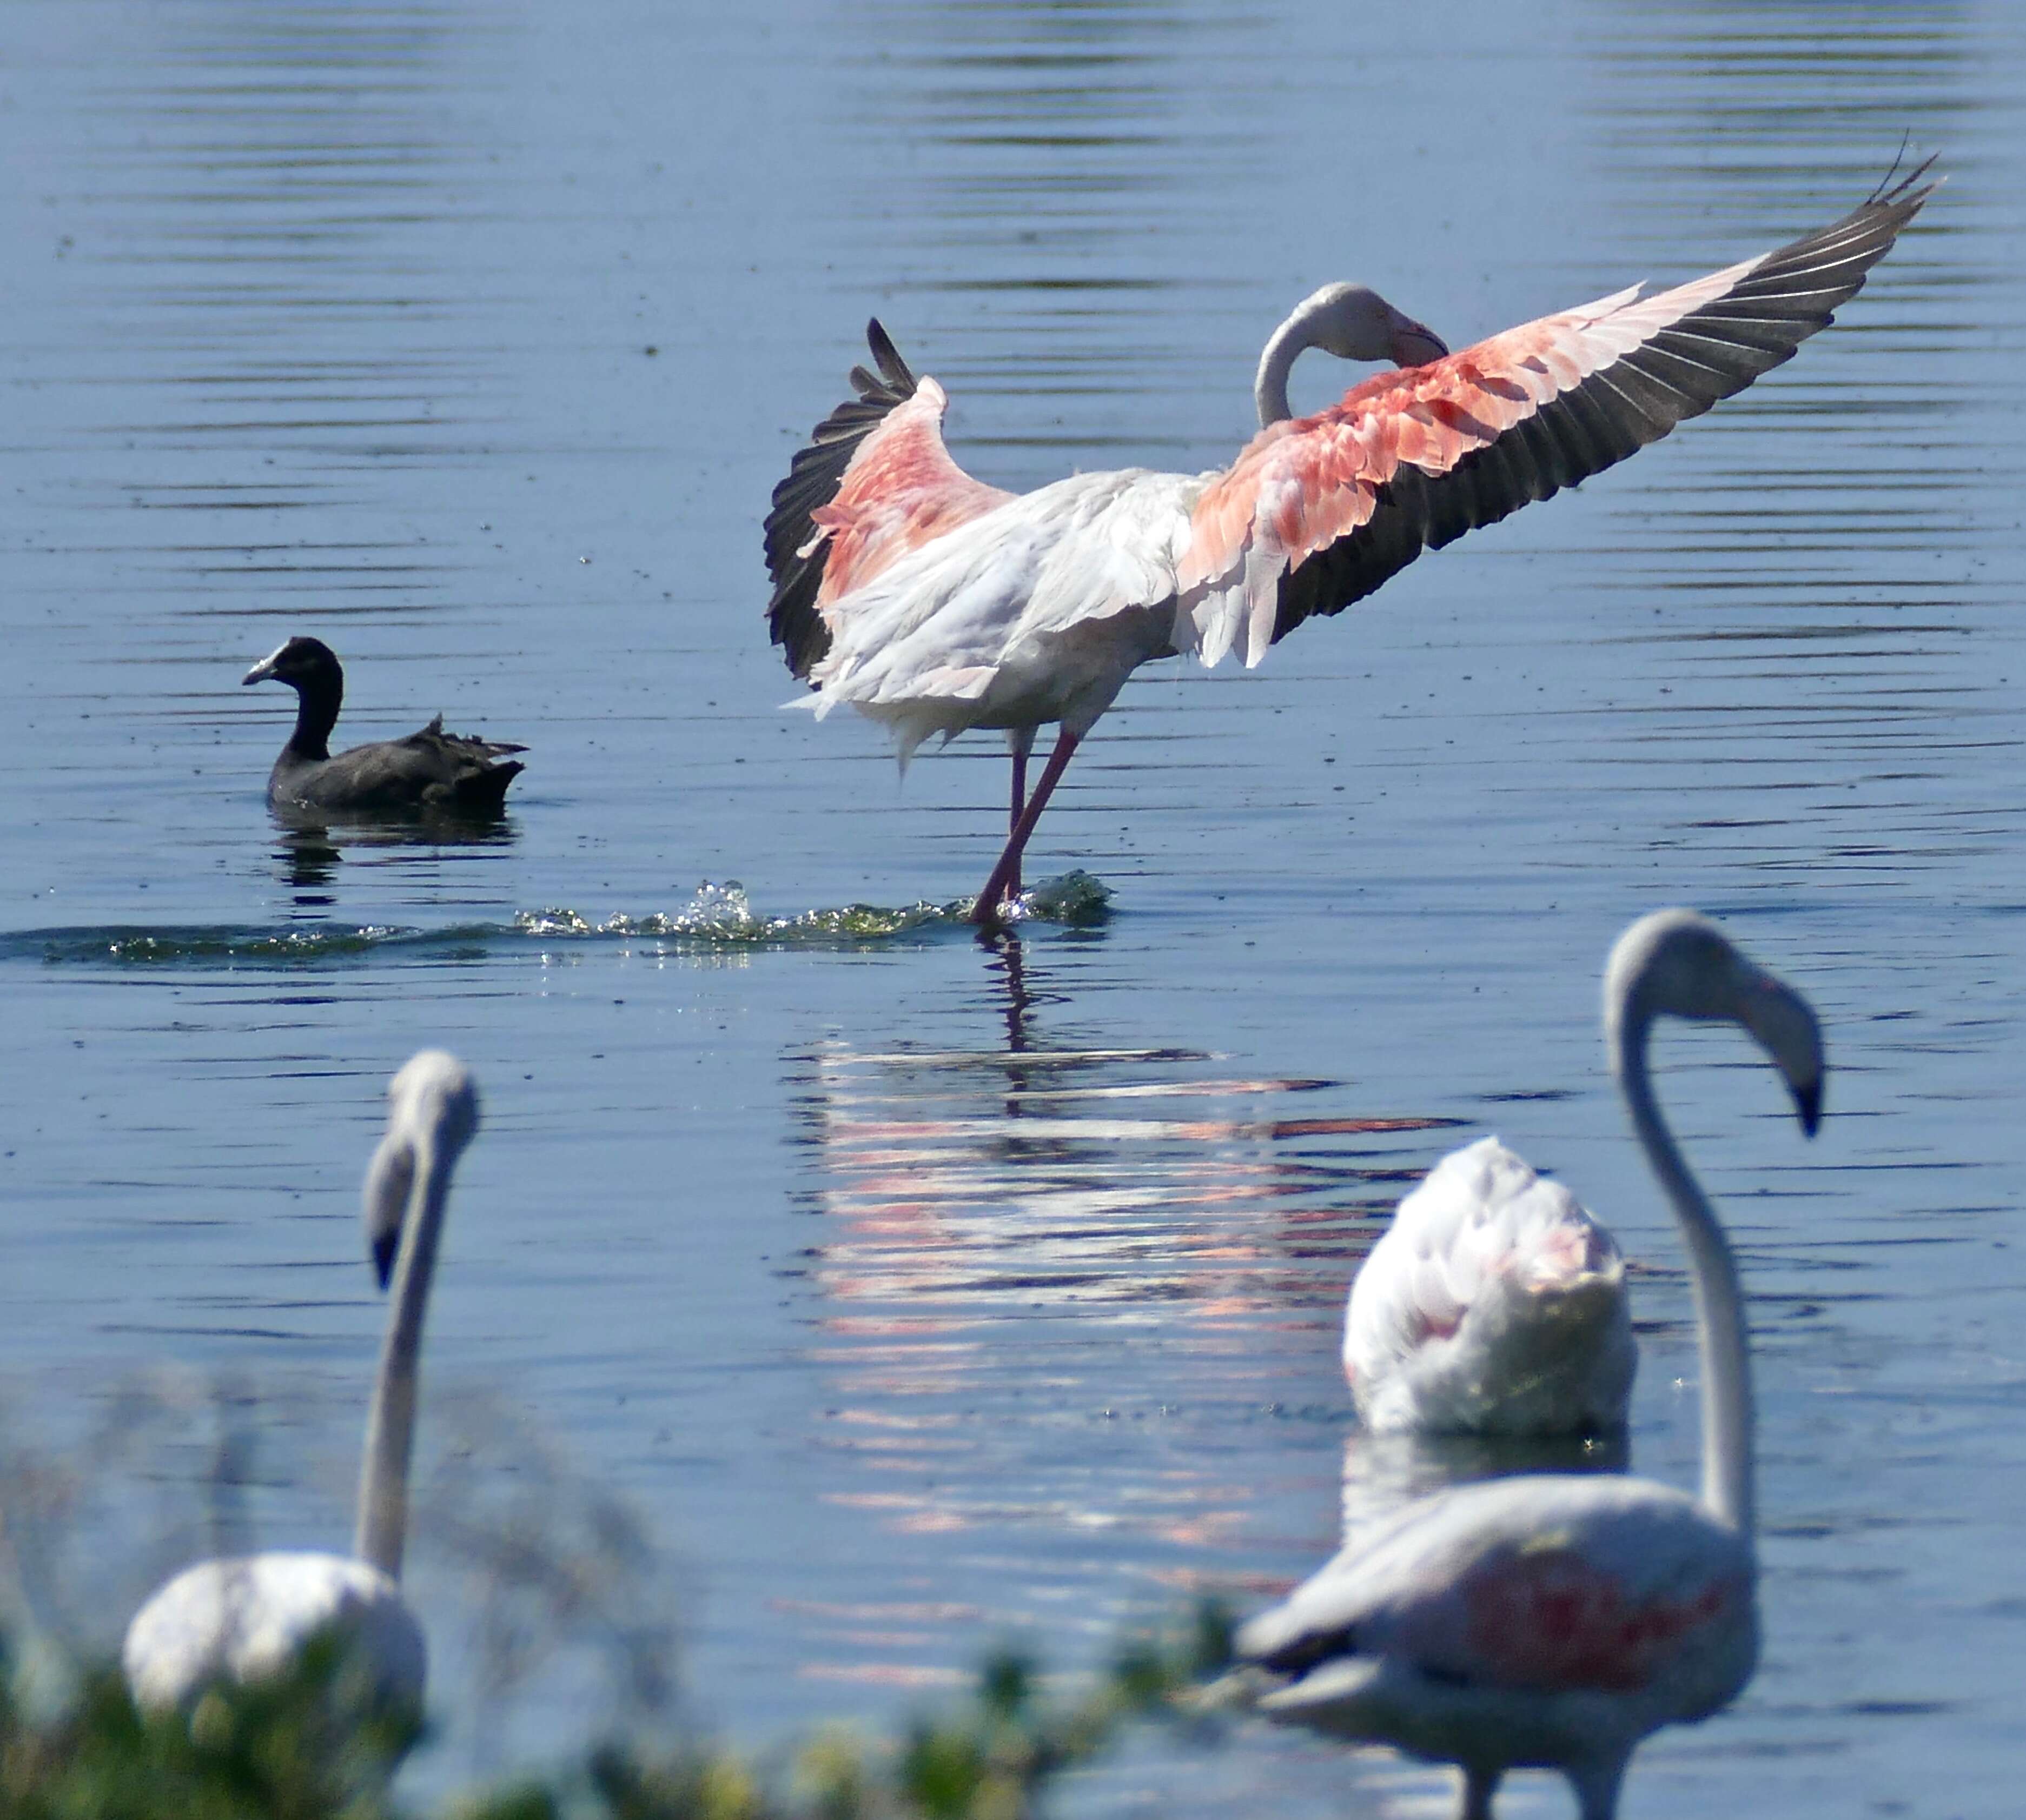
(887, 357)
(1910, 189)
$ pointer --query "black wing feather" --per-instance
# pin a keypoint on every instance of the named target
(812, 481)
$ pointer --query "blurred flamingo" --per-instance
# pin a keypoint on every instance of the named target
(934, 603)
(250, 1619)
(1554, 1621)
(1493, 1304)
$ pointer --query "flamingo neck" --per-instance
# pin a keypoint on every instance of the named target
(1269, 385)
(390, 1420)
(1727, 1366)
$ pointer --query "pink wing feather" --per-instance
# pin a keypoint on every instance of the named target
(1317, 513)
(1550, 1621)
(874, 482)
(900, 491)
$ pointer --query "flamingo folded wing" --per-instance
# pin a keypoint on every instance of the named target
(1494, 1303)
(1539, 1586)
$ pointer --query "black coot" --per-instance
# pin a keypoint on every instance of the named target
(431, 772)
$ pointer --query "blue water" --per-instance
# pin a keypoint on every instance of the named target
(912, 1295)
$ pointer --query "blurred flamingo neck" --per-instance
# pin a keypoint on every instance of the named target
(390, 1422)
(1727, 1490)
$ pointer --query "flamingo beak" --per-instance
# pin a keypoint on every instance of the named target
(1808, 1103)
(1415, 344)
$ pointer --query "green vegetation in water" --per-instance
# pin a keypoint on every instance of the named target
(207, 945)
(272, 1752)
(720, 917)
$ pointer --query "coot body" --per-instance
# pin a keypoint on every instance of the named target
(428, 772)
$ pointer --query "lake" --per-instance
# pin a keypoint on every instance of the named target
(913, 1295)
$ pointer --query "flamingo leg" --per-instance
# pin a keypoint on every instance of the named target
(1020, 742)
(1479, 1787)
(985, 912)
(1596, 1786)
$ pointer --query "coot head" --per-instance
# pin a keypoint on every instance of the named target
(299, 661)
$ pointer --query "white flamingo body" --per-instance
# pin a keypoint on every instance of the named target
(1493, 1304)
(1551, 1621)
(247, 1619)
(1542, 1621)
(1034, 612)
(1092, 576)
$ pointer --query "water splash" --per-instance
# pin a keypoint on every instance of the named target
(722, 915)
(718, 918)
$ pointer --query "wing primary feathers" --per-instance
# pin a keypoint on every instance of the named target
(1676, 371)
(812, 481)
(888, 359)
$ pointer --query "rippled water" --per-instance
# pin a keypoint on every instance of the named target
(918, 1295)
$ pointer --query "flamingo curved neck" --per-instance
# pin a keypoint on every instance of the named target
(1269, 385)
(1727, 1490)
(390, 1420)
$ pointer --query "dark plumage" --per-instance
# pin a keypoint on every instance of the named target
(813, 478)
(428, 772)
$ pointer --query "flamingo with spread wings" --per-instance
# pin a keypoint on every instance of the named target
(934, 603)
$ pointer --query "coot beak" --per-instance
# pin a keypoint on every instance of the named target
(259, 673)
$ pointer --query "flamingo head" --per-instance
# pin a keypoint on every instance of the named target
(1678, 963)
(432, 1112)
(1354, 322)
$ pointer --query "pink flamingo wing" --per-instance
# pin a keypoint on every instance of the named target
(1316, 513)
(901, 490)
(1550, 1620)
(873, 482)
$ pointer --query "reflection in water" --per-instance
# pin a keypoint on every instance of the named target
(310, 847)
(1020, 1247)
(345, 278)
(309, 865)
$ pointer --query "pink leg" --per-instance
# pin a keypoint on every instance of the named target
(985, 911)
(1022, 742)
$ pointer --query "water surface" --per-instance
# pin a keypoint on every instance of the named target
(916, 1295)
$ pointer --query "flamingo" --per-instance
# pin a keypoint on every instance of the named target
(249, 1619)
(1493, 1304)
(1554, 1621)
(934, 603)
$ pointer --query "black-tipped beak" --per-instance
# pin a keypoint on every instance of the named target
(259, 673)
(1808, 1103)
(1415, 344)
(383, 1255)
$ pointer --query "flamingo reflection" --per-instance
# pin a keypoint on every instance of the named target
(1058, 1287)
